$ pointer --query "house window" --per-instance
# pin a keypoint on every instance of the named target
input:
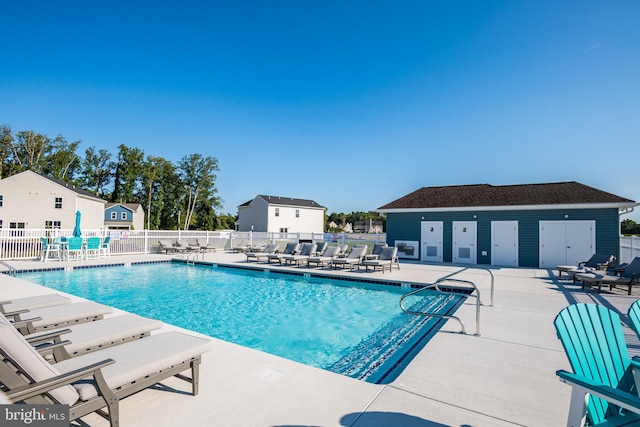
(277, 211)
(17, 228)
(58, 204)
(52, 224)
(1, 200)
(297, 213)
(123, 215)
(284, 230)
(0, 223)
(114, 215)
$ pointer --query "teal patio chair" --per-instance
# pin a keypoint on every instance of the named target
(105, 248)
(74, 247)
(604, 391)
(93, 247)
(49, 249)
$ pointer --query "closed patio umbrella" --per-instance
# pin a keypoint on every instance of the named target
(76, 230)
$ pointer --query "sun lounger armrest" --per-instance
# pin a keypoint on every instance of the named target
(48, 336)
(47, 348)
(14, 314)
(31, 390)
(21, 323)
(582, 385)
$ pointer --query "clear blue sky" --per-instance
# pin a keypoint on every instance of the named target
(349, 103)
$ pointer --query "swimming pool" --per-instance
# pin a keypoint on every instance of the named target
(352, 328)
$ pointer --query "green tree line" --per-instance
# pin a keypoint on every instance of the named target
(629, 226)
(180, 195)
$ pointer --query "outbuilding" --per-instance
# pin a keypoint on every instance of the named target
(528, 225)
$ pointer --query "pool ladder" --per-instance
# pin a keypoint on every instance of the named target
(449, 278)
(190, 260)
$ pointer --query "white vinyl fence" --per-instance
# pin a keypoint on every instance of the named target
(629, 248)
(27, 243)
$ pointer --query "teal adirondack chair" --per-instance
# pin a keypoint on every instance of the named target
(634, 316)
(602, 377)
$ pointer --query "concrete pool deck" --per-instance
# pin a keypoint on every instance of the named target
(503, 377)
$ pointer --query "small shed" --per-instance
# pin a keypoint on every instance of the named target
(528, 225)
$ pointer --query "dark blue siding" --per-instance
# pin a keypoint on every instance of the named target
(406, 226)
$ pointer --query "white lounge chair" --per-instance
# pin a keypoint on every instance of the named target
(91, 336)
(329, 254)
(57, 317)
(257, 256)
(32, 303)
(388, 258)
(290, 249)
(353, 258)
(305, 252)
(98, 380)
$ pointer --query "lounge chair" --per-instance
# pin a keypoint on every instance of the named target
(48, 249)
(105, 247)
(305, 252)
(352, 259)
(375, 252)
(329, 254)
(596, 262)
(166, 246)
(320, 247)
(241, 245)
(87, 337)
(183, 245)
(32, 303)
(58, 316)
(93, 247)
(257, 256)
(290, 249)
(212, 245)
(388, 258)
(93, 381)
(602, 377)
(628, 277)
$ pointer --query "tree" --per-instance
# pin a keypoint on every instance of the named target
(61, 160)
(6, 148)
(29, 149)
(128, 176)
(629, 226)
(96, 171)
(154, 171)
(197, 175)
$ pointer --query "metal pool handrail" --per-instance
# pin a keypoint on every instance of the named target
(479, 268)
(12, 270)
(436, 286)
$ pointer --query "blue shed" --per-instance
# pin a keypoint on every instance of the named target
(529, 225)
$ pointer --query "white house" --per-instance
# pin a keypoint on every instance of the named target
(280, 214)
(29, 200)
(124, 216)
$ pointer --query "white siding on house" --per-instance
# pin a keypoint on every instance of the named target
(30, 198)
(261, 215)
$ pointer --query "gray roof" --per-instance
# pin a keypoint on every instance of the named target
(130, 206)
(286, 201)
(486, 195)
(70, 186)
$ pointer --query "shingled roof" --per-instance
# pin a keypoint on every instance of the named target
(485, 195)
(286, 201)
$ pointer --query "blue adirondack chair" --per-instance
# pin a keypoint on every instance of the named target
(604, 390)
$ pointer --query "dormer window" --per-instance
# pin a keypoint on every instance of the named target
(58, 203)
(114, 215)
(123, 215)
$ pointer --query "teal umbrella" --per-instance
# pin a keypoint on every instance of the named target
(76, 230)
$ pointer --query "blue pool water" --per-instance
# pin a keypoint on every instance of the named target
(352, 328)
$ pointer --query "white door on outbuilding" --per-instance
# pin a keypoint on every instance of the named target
(464, 242)
(431, 241)
(504, 243)
(566, 242)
